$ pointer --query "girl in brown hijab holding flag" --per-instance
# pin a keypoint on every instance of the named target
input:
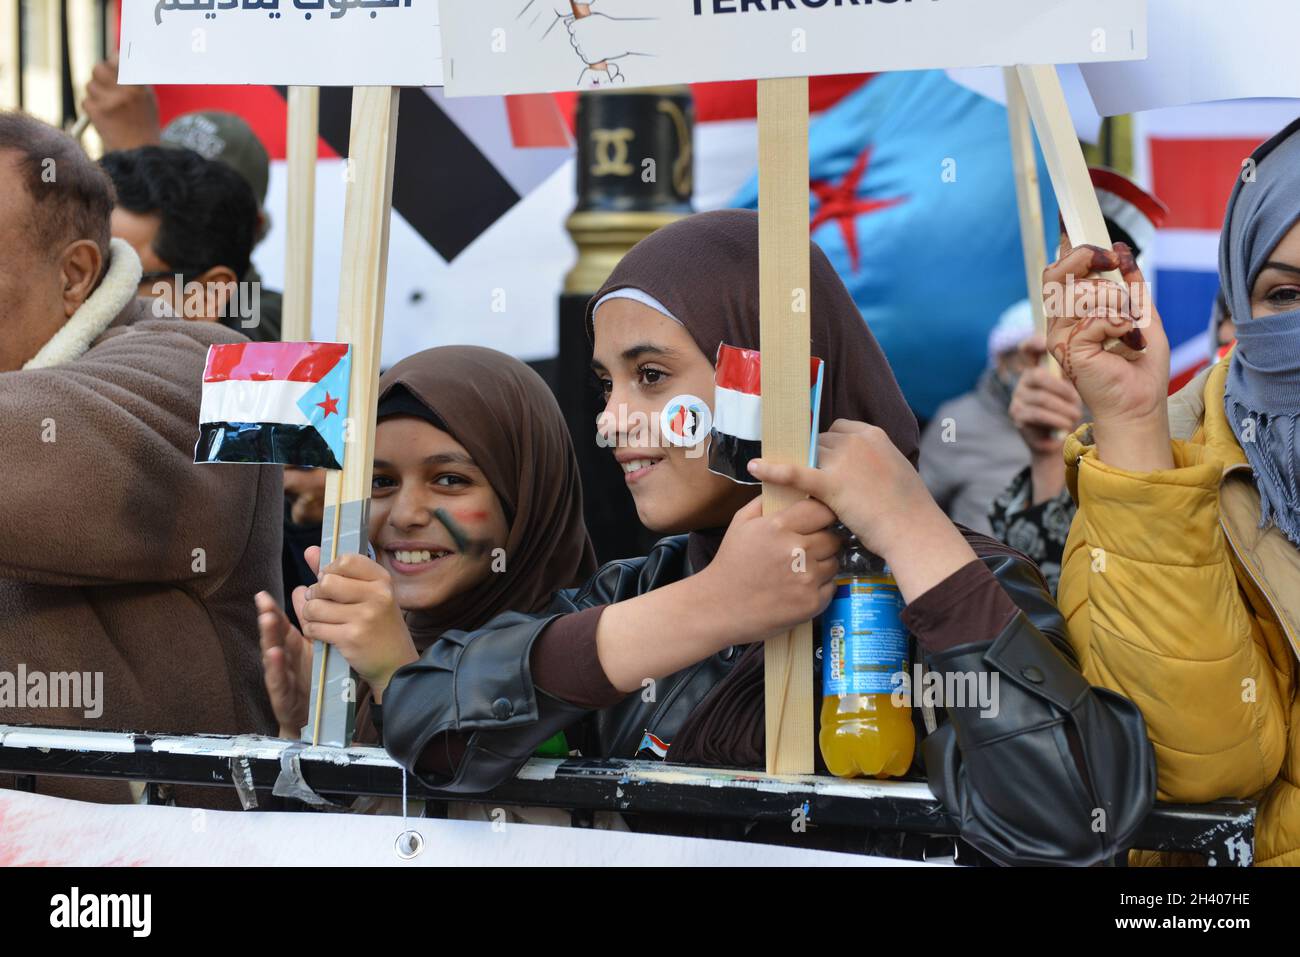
(1027, 780)
(470, 445)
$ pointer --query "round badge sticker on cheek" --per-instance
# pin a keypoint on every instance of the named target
(685, 421)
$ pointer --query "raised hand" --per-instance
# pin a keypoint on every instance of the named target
(286, 666)
(124, 116)
(1125, 395)
(776, 571)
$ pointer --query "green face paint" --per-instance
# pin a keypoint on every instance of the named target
(457, 533)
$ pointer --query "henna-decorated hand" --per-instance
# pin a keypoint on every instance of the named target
(1126, 394)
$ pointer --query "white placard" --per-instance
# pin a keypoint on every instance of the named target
(1202, 50)
(282, 42)
(533, 46)
(49, 831)
(992, 83)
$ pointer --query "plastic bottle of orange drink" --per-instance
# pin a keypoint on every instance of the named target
(864, 647)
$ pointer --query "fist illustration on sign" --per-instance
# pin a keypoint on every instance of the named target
(602, 37)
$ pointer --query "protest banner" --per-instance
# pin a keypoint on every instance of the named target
(992, 83)
(282, 42)
(46, 831)
(489, 49)
(1203, 50)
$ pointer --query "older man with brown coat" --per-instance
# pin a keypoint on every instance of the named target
(119, 557)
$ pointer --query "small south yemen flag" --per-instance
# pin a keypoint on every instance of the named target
(280, 403)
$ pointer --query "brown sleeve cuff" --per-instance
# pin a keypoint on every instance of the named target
(442, 755)
(968, 606)
(565, 664)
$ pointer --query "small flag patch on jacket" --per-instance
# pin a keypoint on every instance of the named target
(281, 403)
(737, 433)
(653, 744)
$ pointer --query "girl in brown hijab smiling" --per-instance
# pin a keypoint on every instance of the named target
(476, 437)
(1025, 780)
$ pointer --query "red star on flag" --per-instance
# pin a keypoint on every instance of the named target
(840, 202)
(330, 405)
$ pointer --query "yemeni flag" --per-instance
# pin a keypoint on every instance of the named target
(737, 434)
(280, 403)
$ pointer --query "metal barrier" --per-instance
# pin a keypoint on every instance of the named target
(1223, 831)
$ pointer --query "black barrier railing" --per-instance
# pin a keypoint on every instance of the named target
(1223, 831)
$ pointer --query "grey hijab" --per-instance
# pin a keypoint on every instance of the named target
(1262, 399)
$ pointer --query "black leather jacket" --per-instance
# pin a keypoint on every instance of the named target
(1062, 774)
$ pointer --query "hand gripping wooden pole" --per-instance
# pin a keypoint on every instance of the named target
(784, 301)
(1084, 223)
(300, 218)
(366, 216)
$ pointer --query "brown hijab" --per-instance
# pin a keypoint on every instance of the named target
(704, 269)
(507, 419)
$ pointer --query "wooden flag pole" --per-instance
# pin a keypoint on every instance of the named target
(1084, 223)
(1028, 198)
(300, 220)
(363, 276)
(784, 301)
(1029, 202)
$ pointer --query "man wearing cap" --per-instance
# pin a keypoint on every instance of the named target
(126, 117)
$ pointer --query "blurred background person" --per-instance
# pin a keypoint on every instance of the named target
(1033, 512)
(970, 449)
(126, 117)
(192, 222)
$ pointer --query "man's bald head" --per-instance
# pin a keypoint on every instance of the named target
(71, 197)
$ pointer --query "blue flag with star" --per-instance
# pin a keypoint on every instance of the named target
(326, 405)
(912, 196)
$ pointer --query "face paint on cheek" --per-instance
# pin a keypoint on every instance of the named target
(468, 516)
(685, 421)
(467, 544)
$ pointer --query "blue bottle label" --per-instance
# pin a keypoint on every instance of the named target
(864, 643)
